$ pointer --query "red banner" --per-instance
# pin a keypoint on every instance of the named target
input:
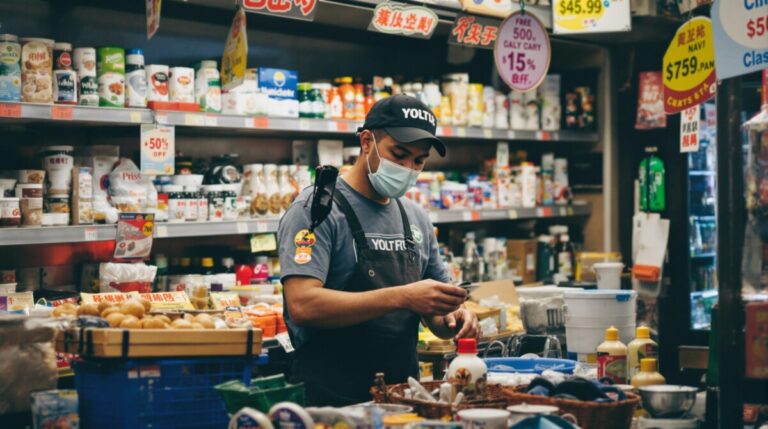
(296, 9)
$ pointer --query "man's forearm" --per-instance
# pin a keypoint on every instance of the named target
(330, 309)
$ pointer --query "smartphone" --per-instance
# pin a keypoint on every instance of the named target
(468, 286)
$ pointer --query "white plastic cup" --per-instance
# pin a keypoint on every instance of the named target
(484, 418)
(608, 274)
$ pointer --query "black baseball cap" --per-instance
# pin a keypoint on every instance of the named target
(406, 119)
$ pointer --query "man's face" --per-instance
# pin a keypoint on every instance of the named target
(411, 155)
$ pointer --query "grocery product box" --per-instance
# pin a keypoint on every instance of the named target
(521, 255)
(280, 86)
(585, 261)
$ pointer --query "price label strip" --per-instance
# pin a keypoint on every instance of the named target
(263, 243)
(158, 149)
(740, 31)
(522, 52)
(689, 66)
(591, 16)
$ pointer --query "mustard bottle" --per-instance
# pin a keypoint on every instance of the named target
(640, 348)
(648, 374)
(612, 357)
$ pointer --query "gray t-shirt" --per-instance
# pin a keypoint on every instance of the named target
(332, 257)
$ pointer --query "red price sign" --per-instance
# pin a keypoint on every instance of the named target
(522, 52)
(10, 110)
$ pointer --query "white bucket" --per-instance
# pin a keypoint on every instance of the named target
(589, 313)
(608, 274)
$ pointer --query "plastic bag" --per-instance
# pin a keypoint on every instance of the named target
(126, 277)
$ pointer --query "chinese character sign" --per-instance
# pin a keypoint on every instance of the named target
(304, 10)
(689, 129)
(741, 37)
(689, 66)
(522, 52)
(650, 102)
(413, 21)
(474, 31)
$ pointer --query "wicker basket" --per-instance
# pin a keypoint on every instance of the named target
(589, 415)
(435, 410)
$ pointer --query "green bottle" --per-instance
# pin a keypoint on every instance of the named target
(652, 183)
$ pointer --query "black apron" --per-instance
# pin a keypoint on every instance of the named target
(338, 366)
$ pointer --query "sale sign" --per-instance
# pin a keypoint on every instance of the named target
(689, 66)
(741, 37)
(590, 16)
(304, 10)
(689, 129)
(395, 18)
(522, 52)
(474, 31)
(157, 149)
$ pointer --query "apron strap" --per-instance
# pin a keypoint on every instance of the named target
(409, 242)
(354, 224)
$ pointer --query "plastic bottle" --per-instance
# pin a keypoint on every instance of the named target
(185, 266)
(648, 374)
(135, 79)
(227, 265)
(336, 104)
(565, 256)
(359, 111)
(612, 357)
(467, 372)
(652, 182)
(369, 101)
(206, 265)
(640, 348)
(348, 97)
(243, 275)
(472, 264)
(260, 271)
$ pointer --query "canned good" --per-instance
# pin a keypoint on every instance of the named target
(135, 79)
(10, 68)
(36, 70)
(182, 85)
(110, 68)
(10, 214)
(88, 84)
(157, 82)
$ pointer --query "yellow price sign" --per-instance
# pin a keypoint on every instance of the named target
(689, 66)
(577, 14)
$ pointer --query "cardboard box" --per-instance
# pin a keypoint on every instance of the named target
(280, 86)
(585, 260)
(521, 255)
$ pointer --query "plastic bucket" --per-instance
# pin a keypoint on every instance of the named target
(617, 321)
(589, 313)
(600, 303)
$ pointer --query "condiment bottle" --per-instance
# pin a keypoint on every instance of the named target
(612, 357)
(467, 372)
(347, 91)
(640, 348)
(648, 374)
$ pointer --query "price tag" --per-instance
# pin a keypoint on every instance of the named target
(522, 52)
(211, 120)
(540, 212)
(261, 227)
(194, 120)
(161, 231)
(261, 122)
(590, 16)
(158, 149)
(263, 243)
(135, 117)
(487, 133)
(242, 228)
(740, 32)
(563, 211)
(461, 131)
(333, 126)
(161, 117)
(689, 129)
(689, 66)
(475, 215)
(512, 214)
(303, 124)
(10, 110)
(544, 136)
(61, 113)
(248, 123)
(90, 234)
(343, 126)
(570, 211)
(466, 216)
(285, 342)
(446, 131)
(511, 135)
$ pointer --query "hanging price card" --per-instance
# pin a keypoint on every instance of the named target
(157, 149)
(741, 36)
(689, 129)
(522, 52)
(591, 16)
(689, 66)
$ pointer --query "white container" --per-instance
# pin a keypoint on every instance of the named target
(188, 179)
(523, 411)
(182, 84)
(135, 79)
(608, 274)
(527, 182)
(157, 82)
(465, 362)
(87, 83)
(484, 418)
(589, 313)
(58, 163)
(208, 87)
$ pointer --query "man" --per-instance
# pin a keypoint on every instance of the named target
(357, 287)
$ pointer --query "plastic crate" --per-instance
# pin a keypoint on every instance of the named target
(155, 393)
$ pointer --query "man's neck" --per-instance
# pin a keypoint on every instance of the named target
(357, 178)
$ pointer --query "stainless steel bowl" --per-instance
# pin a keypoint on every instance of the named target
(668, 401)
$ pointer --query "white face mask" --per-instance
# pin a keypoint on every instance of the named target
(391, 180)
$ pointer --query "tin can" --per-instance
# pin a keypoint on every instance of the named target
(64, 77)
(110, 69)
(84, 60)
(10, 68)
(182, 85)
(135, 79)
(37, 70)
(157, 82)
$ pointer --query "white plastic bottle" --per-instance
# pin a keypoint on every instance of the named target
(467, 372)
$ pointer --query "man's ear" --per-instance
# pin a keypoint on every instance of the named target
(366, 142)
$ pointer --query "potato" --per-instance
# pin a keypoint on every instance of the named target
(164, 318)
(147, 305)
(196, 325)
(64, 311)
(181, 324)
(109, 310)
(188, 317)
(115, 318)
(88, 310)
(152, 323)
(130, 322)
(68, 306)
(104, 305)
(199, 303)
(133, 307)
(205, 320)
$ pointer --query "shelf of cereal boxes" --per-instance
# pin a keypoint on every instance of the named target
(80, 114)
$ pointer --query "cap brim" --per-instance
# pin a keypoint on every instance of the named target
(412, 135)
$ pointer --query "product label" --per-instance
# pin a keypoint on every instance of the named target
(89, 91)
(36, 73)
(235, 57)
(650, 103)
(111, 90)
(689, 129)
(158, 153)
(304, 10)
(136, 88)
(169, 300)
(462, 381)
(614, 367)
(65, 89)
(111, 297)
(395, 18)
(564, 263)
(10, 71)
(134, 236)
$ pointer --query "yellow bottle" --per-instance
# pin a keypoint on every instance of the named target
(640, 348)
(648, 374)
(612, 357)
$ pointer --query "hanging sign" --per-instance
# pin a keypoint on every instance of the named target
(689, 66)
(396, 18)
(304, 10)
(689, 129)
(591, 16)
(498, 8)
(134, 236)
(741, 36)
(474, 31)
(158, 149)
(650, 102)
(235, 57)
(153, 16)
(522, 51)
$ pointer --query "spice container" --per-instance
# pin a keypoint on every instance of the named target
(182, 85)
(10, 68)
(230, 204)
(177, 203)
(157, 82)
(202, 206)
(36, 70)
(58, 163)
(31, 212)
(87, 82)
(612, 357)
(135, 79)
(10, 214)
(110, 68)
(64, 77)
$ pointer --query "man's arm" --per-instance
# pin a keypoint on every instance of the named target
(461, 323)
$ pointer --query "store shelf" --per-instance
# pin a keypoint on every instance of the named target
(707, 217)
(457, 216)
(704, 255)
(28, 112)
(701, 173)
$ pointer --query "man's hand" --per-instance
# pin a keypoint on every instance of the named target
(430, 297)
(466, 321)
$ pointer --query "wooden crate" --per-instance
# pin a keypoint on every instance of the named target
(109, 342)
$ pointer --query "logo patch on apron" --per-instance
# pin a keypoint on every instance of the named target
(304, 238)
(303, 255)
(418, 237)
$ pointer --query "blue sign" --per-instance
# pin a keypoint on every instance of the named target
(740, 30)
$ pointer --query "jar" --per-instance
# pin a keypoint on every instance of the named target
(182, 85)
(230, 204)
(157, 84)
(58, 163)
(215, 196)
(10, 68)
(190, 195)
(10, 213)
(202, 207)
(177, 203)
(305, 100)
(208, 87)
(64, 77)
(135, 79)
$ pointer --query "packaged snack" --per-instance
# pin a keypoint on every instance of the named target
(37, 70)
(115, 277)
(110, 67)
(55, 409)
(10, 68)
